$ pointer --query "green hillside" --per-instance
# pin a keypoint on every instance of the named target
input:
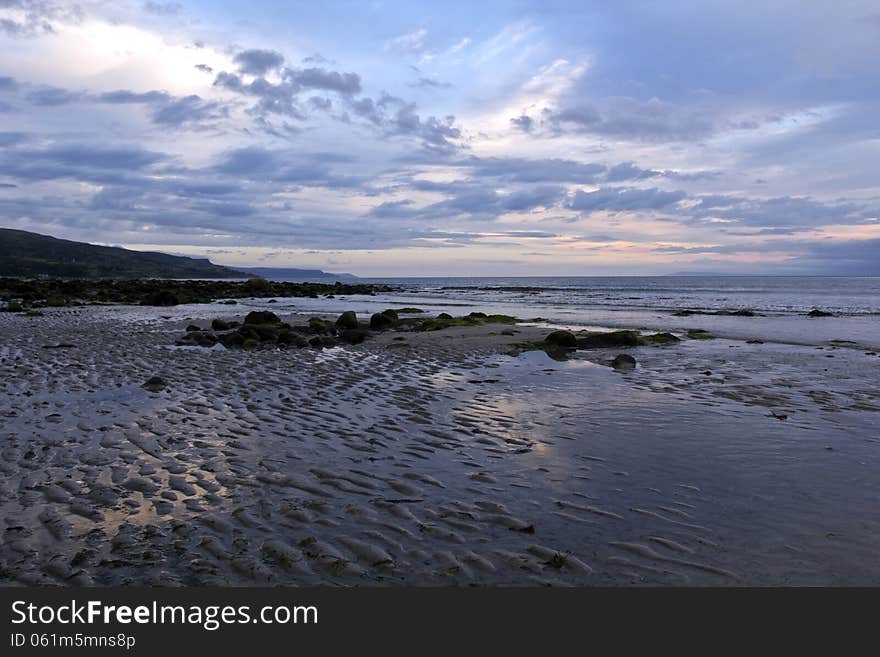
(29, 254)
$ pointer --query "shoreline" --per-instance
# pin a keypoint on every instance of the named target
(444, 461)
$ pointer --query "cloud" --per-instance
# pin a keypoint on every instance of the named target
(627, 199)
(189, 111)
(412, 43)
(525, 170)
(33, 18)
(53, 96)
(258, 62)
(319, 78)
(162, 8)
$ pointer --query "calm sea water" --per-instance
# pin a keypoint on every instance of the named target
(780, 304)
(851, 296)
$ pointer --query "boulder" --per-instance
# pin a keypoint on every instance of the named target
(154, 384)
(564, 339)
(354, 335)
(347, 320)
(623, 362)
(815, 312)
(220, 325)
(261, 317)
(292, 339)
(193, 327)
(161, 298)
(611, 339)
(381, 321)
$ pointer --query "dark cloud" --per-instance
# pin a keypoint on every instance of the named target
(123, 96)
(7, 83)
(258, 62)
(524, 170)
(632, 119)
(84, 162)
(319, 78)
(780, 212)
(204, 68)
(624, 199)
(261, 164)
(523, 122)
(53, 96)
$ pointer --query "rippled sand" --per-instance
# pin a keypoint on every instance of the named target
(436, 459)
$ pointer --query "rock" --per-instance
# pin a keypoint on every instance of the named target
(478, 315)
(381, 321)
(562, 339)
(611, 339)
(293, 339)
(444, 316)
(234, 339)
(261, 317)
(700, 334)
(229, 302)
(661, 338)
(318, 325)
(154, 384)
(193, 327)
(198, 338)
(220, 325)
(161, 298)
(623, 362)
(815, 312)
(265, 332)
(347, 320)
(354, 335)
(410, 311)
(13, 307)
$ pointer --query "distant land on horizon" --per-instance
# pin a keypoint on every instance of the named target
(292, 273)
(23, 253)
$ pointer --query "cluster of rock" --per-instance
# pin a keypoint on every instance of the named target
(559, 344)
(39, 292)
(263, 328)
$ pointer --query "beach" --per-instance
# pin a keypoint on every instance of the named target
(449, 457)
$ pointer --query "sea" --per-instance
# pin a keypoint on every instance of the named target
(779, 304)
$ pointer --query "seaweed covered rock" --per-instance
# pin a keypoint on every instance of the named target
(261, 317)
(347, 320)
(383, 320)
(700, 334)
(198, 339)
(564, 339)
(661, 338)
(610, 339)
(161, 298)
(815, 312)
(293, 339)
(318, 325)
(354, 335)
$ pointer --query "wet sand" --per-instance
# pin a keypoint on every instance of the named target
(436, 459)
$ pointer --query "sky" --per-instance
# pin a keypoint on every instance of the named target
(456, 138)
